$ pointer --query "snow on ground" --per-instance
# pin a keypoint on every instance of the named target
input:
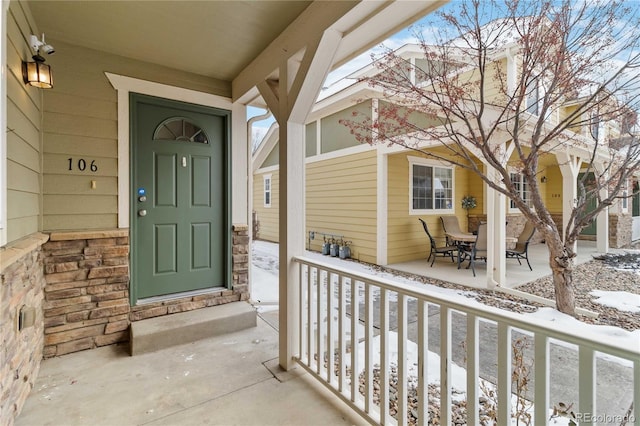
(621, 300)
(264, 291)
(264, 294)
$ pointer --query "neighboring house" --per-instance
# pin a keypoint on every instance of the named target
(373, 195)
(124, 188)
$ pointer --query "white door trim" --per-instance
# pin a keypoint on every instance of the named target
(124, 86)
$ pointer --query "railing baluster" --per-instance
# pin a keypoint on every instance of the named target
(368, 352)
(319, 327)
(636, 390)
(302, 303)
(587, 381)
(445, 365)
(423, 362)
(473, 369)
(342, 334)
(355, 319)
(504, 374)
(331, 377)
(541, 395)
(401, 386)
(384, 356)
(310, 315)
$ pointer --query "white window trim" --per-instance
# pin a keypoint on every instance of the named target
(124, 86)
(3, 123)
(265, 179)
(516, 209)
(419, 161)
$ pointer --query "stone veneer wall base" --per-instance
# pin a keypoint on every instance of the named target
(87, 289)
(22, 284)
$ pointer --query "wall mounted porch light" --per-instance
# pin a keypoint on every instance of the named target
(37, 73)
(543, 179)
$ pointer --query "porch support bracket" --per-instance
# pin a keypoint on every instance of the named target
(291, 101)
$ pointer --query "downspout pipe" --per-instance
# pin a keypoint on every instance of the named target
(250, 122)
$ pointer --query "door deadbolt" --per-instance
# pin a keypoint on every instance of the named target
(142, 212)
(142, 198)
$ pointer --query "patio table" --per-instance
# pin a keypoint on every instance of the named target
(463, 238)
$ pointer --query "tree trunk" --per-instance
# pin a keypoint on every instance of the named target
(561, 263)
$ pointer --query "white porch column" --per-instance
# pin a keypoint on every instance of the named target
(569, 167)
(497, 217)
(291, 222)
(602, 222)
(382, 161)
(496, 232)
(291, 98)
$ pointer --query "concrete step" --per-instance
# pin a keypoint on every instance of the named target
(161, 332)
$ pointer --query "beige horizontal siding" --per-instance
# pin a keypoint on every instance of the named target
(82, 221)
(24, 179)
(23, 204)
(57, 164)
(19, 227)
(79, 204)
(23, 126)
(24, 106)
(406, 239)
(341, 199)
(66, 185)
(80, 145)
(23, 153)
(267, 216)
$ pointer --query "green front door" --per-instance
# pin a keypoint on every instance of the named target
(179, 197)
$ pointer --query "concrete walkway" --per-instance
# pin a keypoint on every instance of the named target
(230, 379)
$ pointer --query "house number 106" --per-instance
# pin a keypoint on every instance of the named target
(82, 165)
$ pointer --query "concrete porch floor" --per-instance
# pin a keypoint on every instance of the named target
(230, 379)
(443, 269)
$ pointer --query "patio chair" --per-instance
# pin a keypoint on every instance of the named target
(443, 251)
(521, 250)
(450, 226)
(476, 252)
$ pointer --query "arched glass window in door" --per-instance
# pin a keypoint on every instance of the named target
(179, 129)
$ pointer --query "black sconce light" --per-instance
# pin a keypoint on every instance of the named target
(543, 179)
(38, 73)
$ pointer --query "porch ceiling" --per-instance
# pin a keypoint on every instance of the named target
(243, 42)
(216, 39)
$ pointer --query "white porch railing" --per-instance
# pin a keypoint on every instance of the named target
(343, 315)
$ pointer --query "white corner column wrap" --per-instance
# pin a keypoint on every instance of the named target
(240, 166)
(569, 167)
(291, 222)
(496, 233)
(602, 222)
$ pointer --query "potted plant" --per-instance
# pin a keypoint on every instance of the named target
(469, 202)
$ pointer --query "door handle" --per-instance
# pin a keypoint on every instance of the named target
(142, 213)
